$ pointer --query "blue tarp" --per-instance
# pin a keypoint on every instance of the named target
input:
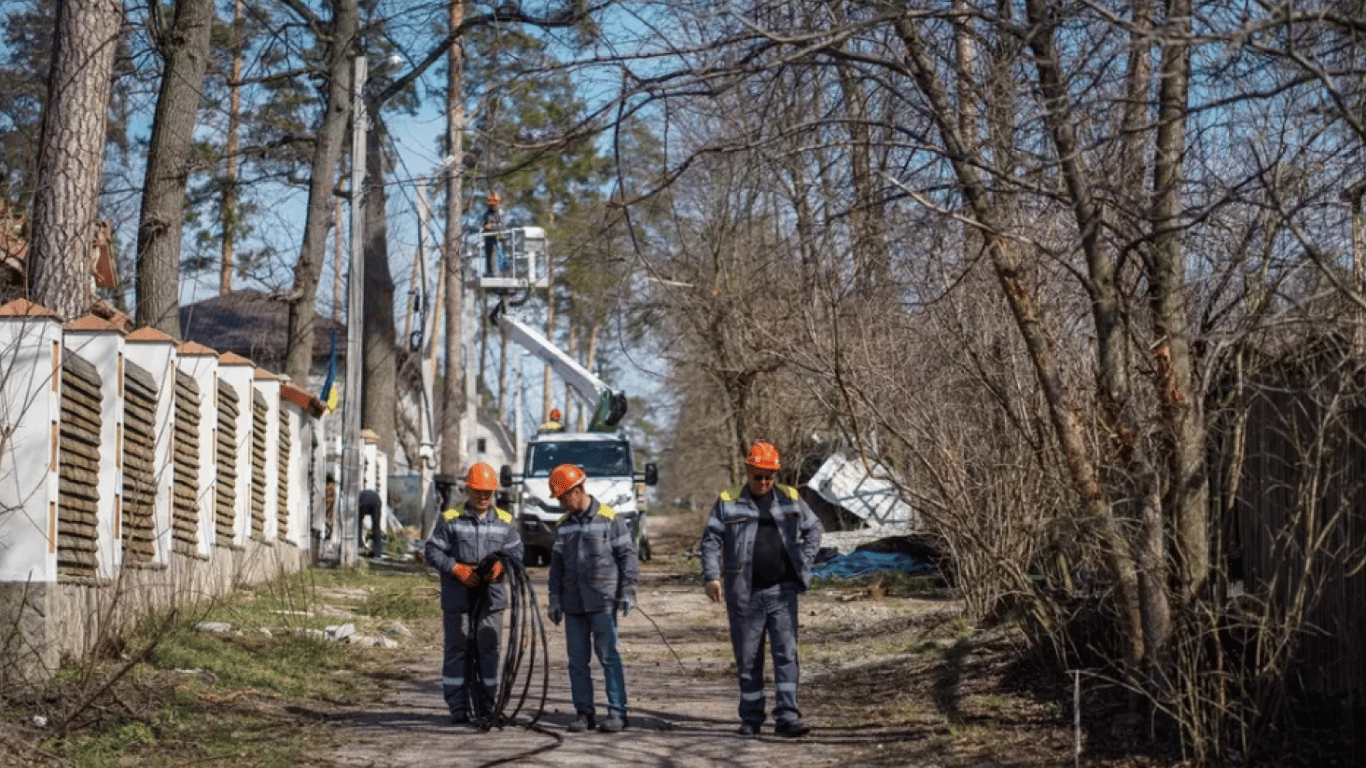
(861, 563)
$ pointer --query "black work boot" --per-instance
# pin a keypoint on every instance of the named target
(793, 729)
(583, 723)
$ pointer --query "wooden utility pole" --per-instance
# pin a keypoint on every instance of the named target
(452, 449)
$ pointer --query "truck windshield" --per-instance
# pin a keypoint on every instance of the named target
(603, 458)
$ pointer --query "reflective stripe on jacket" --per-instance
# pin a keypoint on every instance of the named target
(593, 562)
(728, 539)
(461, 536)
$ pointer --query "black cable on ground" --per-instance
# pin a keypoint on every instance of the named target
(660, 632)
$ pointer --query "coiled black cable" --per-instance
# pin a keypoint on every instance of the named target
(523, 647)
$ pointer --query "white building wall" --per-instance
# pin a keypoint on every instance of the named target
(51, 619)
(295, 505)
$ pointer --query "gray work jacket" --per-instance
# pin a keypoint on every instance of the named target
(728, 540)
(461, 536)
(593, 562)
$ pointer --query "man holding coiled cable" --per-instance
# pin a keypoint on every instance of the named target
(466, 547)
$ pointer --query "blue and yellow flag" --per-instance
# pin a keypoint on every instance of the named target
(331, 393)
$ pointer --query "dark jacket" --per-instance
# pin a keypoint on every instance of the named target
(460, 536)
(728, 539)
(593, 562)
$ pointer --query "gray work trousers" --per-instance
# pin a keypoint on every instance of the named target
(458, 666)
(772, 612)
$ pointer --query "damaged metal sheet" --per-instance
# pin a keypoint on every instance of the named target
(870, 496)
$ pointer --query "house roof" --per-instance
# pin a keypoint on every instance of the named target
(14, 247)
(254, 325)
(25, 308)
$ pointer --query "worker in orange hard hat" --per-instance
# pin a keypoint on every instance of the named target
(468, 547)
(554, 423)
(593, 575)
(764, 539)
(491, 226)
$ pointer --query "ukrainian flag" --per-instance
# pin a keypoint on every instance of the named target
(331, 393)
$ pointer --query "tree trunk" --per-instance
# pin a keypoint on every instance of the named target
(1130, 476)
(869, 246)
(379, 370)
(185, 49)
(70, 154)
(327, 151)
(1188, 487)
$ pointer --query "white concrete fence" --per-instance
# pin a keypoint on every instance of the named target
(138, 473)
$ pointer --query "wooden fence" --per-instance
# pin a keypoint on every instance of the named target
(1300, 523)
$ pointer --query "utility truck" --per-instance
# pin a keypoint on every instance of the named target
(603, 451)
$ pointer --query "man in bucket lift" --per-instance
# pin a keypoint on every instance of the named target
(493, 224)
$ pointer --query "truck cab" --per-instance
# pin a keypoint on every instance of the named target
(607, 461)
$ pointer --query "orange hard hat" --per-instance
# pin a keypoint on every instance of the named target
(564, 477)
(762, 455)
(482, 477)
(555, 414)
(494, 199)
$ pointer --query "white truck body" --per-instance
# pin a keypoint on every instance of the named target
(606, 459)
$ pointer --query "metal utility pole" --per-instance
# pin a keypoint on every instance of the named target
(349, 487)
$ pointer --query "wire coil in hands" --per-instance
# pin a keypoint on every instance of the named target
(524, 647)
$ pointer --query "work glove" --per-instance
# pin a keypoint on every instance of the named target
(624, 606)
(465, 574)
(556, 614)
(496, 571)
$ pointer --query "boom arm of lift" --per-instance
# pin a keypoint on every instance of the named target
(608, 406)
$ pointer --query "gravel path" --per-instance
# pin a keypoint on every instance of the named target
(682, 708)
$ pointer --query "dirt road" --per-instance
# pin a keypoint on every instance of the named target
(682, 709)
(680, 685)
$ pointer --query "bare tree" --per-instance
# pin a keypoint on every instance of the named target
(342, 29)
(184, 48)
(1052, 146)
